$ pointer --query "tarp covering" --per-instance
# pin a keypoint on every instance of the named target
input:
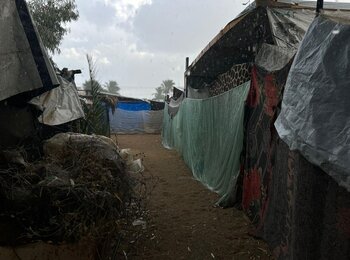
(133, 122)
(288, 26)
(24, 65)
(60, 105)
(273, 58)
(134, 106)
(315, 116)
(208, 134)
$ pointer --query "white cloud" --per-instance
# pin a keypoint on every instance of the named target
(79, 40)
(124, 53)
(127, 9)
(141, 54)
(104, 61)
(72, 53)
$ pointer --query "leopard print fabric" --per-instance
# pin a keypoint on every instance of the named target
(236, 76)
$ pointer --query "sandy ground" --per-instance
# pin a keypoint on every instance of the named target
(184, 224)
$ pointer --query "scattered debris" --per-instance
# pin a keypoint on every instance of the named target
(139, 222)
(133, 166)
(80, 188)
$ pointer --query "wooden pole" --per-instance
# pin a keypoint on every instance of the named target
(186, 66)
(319, 6)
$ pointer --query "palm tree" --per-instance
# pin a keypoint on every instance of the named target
(95, 113)
(164, 89)
(159, 95)
(167, 86)
(112, 87)
(87, 85)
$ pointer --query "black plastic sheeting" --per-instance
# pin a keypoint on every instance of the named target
(155, 105)
(177, 93)
(315, 115)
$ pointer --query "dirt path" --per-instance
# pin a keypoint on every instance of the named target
(183, 222)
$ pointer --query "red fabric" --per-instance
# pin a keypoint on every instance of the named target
(344, 221)
(271, 94)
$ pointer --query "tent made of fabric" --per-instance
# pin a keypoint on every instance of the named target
(263, 22)
(297, 207)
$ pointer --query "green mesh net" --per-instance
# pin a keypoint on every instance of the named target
(208, 133)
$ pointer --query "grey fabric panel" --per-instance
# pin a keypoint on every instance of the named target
(273, 58)
(18, 68)
(315, 115)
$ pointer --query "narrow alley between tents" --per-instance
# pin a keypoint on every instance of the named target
(183, 220)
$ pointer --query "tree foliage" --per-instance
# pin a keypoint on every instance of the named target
(94, 122)
(90, 83)
(163, 90)
(112, 87)
(51, 18)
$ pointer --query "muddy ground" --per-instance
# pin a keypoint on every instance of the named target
(183, 222)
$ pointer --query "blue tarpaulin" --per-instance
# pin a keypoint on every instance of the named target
(134, 106)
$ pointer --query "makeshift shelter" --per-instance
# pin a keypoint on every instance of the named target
(25, 72)
(133, 116)
(28, 78)
(302, 211)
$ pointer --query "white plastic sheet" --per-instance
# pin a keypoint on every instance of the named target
(132, 122)
(315, 115)
(174, 105)
(60, 105)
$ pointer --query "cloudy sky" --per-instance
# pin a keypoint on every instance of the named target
(139, 43)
